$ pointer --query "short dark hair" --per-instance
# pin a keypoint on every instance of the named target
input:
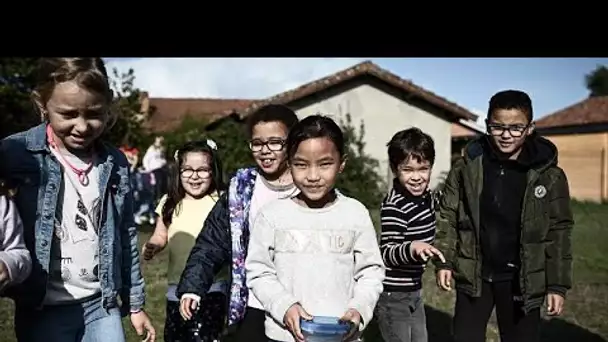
(315, 126)
(272, 113)
(511, 99)
(410, 143)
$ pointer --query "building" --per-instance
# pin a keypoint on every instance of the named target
(462, 133)
(580, 133)
(384, 102)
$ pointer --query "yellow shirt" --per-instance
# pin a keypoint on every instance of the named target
(188, 221)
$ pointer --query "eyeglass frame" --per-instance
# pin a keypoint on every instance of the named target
(260, 147)
(509, 128)
(198, 173)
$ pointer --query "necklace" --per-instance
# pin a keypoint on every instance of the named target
(82, 174)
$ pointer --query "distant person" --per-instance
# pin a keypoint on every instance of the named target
(225, 237)
(406, 241)
(155, 155)
(154, 162)
(75, 200)
(195, 184)
(316, 253)
(506, 211)
(132, 154)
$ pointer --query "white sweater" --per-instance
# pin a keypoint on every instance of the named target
(328, 260)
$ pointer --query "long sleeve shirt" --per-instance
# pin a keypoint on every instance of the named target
(13, 253)
(405, 219)
(327, 260)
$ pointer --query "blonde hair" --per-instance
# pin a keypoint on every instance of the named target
(89, 73)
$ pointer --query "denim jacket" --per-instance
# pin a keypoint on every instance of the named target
(36, 175)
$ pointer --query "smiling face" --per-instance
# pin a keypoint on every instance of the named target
(315, 167)
(196, 174)
(268, 147)
(76, 115)
(414, 174)
(509, 129)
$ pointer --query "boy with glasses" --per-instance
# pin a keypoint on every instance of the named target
(506, 211)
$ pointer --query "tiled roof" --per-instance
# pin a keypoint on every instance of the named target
(466, 129)
(364, 68)
(593, 110)
(170, 111)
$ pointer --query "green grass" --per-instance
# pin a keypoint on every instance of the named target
(585, 318)
(586, 308)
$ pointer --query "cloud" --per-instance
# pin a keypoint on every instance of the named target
(226, 77)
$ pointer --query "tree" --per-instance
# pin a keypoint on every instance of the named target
(229, 135)
(128, 129)
(360, 178)
(597, 81)
(17, 80)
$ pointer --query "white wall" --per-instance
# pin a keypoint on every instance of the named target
(383, 116)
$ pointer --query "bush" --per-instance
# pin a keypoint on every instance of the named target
(360, 178)
(229, 135)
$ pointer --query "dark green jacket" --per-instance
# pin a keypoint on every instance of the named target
(546, 220)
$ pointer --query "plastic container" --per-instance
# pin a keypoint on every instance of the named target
(324, 329)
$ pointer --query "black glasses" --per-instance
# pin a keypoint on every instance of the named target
(515, 131)
(273, 144)
(201, 173)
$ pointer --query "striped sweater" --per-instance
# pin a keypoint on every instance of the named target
(405, 219)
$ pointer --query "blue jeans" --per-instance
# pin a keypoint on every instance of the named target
(401, 317)
(81, 322)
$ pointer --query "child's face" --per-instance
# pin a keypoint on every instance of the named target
(414, 175)
(76, 115)
(268, 146)
(509, 129)
(195, 174)
(315, 167)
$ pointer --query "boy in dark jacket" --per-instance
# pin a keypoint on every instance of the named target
(506, 211)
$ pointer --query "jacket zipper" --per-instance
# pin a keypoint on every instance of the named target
(501, 173)
(523, 269)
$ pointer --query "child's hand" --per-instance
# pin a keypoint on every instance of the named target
(141, 323)
(292, 320)
(4, 276)
(186, 306)
(555, 304)
(425, 251)
(153, 247)
(352, 317)
(444, 280)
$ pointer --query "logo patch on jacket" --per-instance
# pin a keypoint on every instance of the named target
(540, 191)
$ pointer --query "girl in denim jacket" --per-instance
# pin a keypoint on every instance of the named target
(73, 192)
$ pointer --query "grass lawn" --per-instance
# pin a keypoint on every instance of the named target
(585, 318)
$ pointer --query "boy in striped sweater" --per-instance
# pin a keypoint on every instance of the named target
(408, 231)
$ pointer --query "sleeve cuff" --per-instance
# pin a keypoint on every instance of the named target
(366, 315)
(192, 296)
(560, 290)
(280, 306)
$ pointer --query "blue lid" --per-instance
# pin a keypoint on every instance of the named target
(321, 325)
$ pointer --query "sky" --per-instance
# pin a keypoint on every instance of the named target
(552, 83)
